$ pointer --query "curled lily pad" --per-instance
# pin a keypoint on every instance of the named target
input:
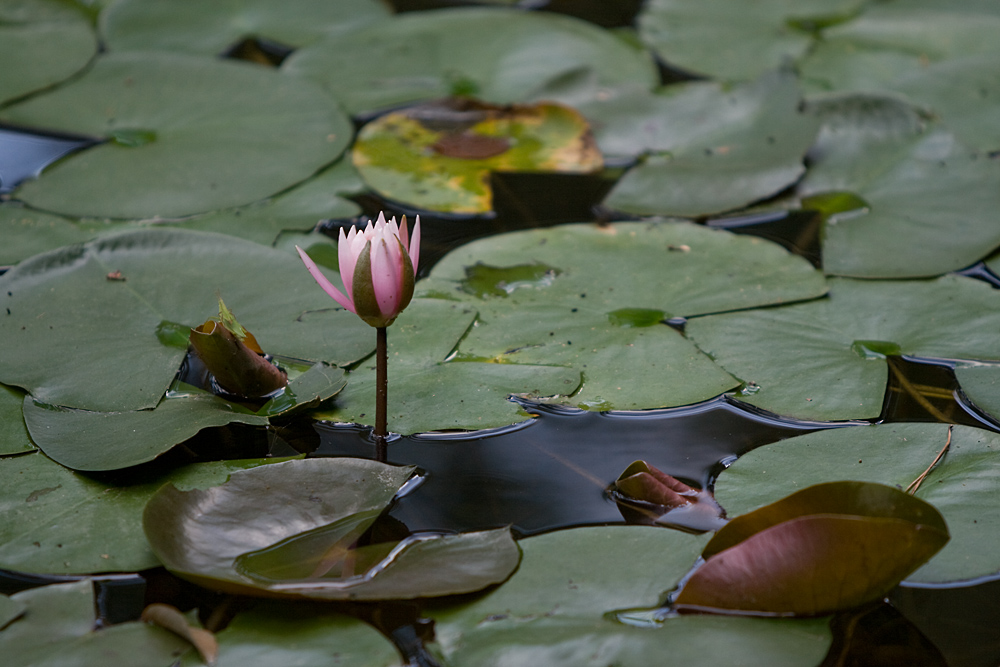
(188, 162)
(234, 358)
(302, 545)
(440, 156)
(28, 31)
(497, 55)
(827, 547)
(57, 521)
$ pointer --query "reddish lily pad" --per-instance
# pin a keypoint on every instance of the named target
(440, 156)
(827, 547)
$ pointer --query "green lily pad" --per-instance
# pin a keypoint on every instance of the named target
(681, 269)
(197, 162)
(930, 201)
(963, 486)
(439, 157)
(565, 307)
(297, 210)
(319, 508)
(979, 382)
(10, 609)
(28, 31)
(809, 361)
(558, 609)
(720, 39)
(909, 46)
(13, 432)
(963, 93)
(826, 548)
(498, 55)
(747, 145)
(303, 635)
(27, 232)
(84, 440)
(90, 342)
(58, 629)
(56, 521)
(211, 28)
(430, 389)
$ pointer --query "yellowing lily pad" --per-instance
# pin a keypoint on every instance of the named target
(440, 156)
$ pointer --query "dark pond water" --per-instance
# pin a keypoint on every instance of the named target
(553, 471)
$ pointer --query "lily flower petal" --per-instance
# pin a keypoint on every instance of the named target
(324, 282)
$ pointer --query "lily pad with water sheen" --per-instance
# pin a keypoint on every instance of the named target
(825, 360)
(84, 440)
(103, 326)
(928, 202)
(430, 389)
(56, 521)
(743, 144)
(440, 156)
(211, 28)
(560, 609)
(57, 628)
(185, 135)
(726, 40)
(300, 634)
(302, 544)
(494, 54)
(964, 486)
(28, 31)
(825, 548)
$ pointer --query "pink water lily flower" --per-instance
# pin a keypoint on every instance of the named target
(378, 266)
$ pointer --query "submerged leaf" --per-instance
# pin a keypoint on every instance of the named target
(825, 548)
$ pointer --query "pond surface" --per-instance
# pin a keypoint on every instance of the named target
(554, 470)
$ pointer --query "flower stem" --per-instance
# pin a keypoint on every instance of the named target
(381, 394)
